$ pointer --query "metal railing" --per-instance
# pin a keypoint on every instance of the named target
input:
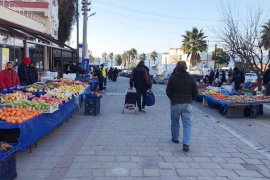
(18, 9)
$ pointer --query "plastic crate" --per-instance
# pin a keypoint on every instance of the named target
(235, 112)
(8, 168)
(92, 106)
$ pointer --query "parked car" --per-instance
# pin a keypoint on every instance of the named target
(125, 73)
(251, 77)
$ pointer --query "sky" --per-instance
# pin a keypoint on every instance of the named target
(149, 25)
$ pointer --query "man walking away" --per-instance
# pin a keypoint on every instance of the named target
(140, 80)
(266, 80)
(181, 90)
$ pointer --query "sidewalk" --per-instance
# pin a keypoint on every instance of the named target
(128, 146)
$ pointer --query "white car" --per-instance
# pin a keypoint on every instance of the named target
(251, 77)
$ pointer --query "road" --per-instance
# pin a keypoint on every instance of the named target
(117, 146)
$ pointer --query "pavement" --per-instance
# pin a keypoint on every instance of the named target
(131, 146)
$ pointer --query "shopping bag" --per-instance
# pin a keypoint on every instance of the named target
(150, 98)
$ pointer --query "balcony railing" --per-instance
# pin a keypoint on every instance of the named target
(18, 9)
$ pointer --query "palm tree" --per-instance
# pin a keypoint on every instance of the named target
(193, 43)
(154, 56)
(104, 56)
(133, 55)
(142, 57)
(265, 38)
(125, 58)
(110, 56)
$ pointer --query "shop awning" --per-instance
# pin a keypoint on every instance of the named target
(25, 33)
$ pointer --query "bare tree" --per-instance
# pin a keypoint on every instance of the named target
(242, 39)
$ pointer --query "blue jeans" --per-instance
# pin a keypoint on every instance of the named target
(183, 111)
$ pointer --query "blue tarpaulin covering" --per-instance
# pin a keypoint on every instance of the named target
(32, 130)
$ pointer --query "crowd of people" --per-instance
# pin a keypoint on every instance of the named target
(27, 74)
(236, 77)
(103, 74)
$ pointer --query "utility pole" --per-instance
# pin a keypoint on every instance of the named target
(77, 19)
(85, 9)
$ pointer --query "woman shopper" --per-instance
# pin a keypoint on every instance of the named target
(181, 90)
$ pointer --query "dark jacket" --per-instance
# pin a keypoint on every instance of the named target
(181, 88)
(238, 77)
(33, 75)
(23, 74)
(266, 76)
(140, 78)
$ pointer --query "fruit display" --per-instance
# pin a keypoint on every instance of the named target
(49, 100)
(77, 89)
(56, 93)
(14, 96)
(17, 115)
(213, 91)
(69, 82)
(26, 104)
(240, 99)
(37, 88)
(220, 96)
(261, 98)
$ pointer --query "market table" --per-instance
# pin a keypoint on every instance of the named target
(32, 130)
(230, 107)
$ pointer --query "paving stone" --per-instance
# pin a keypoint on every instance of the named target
(210, 165)
(249, 173)
(165, 165)
(232, 166)
(225, 173)
(136, 172)
(151, 172)
(181, 165)
(253, 161)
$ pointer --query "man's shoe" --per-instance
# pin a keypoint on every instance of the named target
(143, 110)
(175, 141)
(185, 148)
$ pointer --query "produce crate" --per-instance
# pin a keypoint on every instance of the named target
(92, 106)
(8, 168)
(235, 111)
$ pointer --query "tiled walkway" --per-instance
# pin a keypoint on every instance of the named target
(129, 146)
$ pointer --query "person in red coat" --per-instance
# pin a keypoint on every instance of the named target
(8, 77)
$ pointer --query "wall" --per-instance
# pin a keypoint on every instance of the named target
(14, 17)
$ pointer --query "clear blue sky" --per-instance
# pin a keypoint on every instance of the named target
(149, 25)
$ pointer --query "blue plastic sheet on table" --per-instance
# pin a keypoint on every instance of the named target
(225, 104)
(248, 85)
(13, 89)
(34, 129)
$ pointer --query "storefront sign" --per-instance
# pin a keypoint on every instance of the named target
(85, 64)
(4, 57)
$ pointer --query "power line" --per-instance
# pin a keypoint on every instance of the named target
(134, 26)
(151, 13)
(143, 19)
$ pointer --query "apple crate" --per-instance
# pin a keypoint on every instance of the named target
(8, 168)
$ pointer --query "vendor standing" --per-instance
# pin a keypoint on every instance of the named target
(266, 80)
(238, 78)
(23, 71)
(32, 73)
(8, 77)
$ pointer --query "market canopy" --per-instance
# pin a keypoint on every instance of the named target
(25, 33)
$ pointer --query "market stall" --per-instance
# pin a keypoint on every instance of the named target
(232, 103)
(38, 109)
